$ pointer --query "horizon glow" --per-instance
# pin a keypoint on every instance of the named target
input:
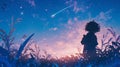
(59, 24)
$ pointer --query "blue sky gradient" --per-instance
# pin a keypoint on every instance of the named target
(36, 18)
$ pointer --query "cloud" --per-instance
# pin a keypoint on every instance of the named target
(78, 6)
(53, 29)
(31, 2)
(67, 43)
(75, 8)
(68, 40)
(104, 16)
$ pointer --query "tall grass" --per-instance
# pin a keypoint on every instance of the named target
(109, 55)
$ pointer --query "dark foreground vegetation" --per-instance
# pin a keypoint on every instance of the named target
(107, 56)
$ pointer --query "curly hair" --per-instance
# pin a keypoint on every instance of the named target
(92, 26)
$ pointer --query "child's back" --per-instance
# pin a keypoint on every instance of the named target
(90, 40)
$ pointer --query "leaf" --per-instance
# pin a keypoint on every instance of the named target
(3, 51)
(112, 32)
(22, 46)
(31, 49)
(103, 36)
(118, 38)
(2, 33)
(32, 56)
(114, 43)
(102, 42)
(110, 40)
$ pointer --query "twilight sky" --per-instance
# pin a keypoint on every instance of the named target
(59, 24)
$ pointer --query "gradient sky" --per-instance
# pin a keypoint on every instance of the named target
(59, 35)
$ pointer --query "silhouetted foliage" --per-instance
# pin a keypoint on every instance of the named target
(107, 56)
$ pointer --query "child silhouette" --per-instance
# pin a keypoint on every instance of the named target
(90, 40)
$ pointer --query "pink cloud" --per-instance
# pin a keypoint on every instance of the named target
(103, 16)
(78, 6)
(69, 22)
(53, 29)
(68, 42)
(31, 2)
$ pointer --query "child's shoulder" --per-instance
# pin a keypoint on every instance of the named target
(89, 35)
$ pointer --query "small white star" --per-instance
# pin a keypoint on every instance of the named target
(46, 10)
(22, 13)
(21, 7)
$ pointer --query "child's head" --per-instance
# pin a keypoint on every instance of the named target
(92, 26)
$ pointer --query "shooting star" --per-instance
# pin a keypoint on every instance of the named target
(53, 15)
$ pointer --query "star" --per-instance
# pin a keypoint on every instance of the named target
(21, 7)
(22, 13)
